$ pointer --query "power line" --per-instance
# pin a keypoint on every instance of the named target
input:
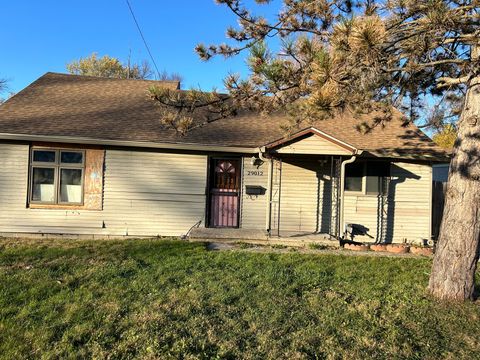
(143, 37)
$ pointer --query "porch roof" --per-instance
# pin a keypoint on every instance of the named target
(311, 141)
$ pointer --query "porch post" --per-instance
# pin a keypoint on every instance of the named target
(269, 197)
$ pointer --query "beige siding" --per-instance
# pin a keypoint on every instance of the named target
(15, 217)
(305, 184)
(408, 210)
(154, 193)
(313, 144)
(362, 210)
(412, 201)
(254, 207)
(145, 193)
(158, 193)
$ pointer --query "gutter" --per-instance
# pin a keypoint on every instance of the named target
(126, 143)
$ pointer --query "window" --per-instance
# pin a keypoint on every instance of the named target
(56, 176)
(366, 177)
(353, 176)
(376, 174)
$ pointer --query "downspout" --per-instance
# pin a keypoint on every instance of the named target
(342, 189)
(261, 151)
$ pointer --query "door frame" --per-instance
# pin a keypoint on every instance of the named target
(208, 212)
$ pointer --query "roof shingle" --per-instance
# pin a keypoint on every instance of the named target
(119, 109)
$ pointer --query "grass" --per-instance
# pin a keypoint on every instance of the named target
(170, 299)
(315, 246)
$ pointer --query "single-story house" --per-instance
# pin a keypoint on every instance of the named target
(89, 155)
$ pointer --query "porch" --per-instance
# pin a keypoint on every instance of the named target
(290, 192)
(312, 185)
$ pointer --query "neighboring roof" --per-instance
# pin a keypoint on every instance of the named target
(108, 110)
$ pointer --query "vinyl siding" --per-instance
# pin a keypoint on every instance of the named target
(409, 205)
(305, 184)
(145, 193)
(362, 210)
(412, 201)
(313, 144)
(158, 193)
(154, 193)
(254, 207)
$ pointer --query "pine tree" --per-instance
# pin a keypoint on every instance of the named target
(368, 56)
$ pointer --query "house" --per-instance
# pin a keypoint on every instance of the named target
(86, 155)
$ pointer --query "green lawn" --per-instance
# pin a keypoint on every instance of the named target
(170, 299)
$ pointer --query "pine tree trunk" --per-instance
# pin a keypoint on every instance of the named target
(456, 257)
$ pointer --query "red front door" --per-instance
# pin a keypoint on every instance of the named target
(224, 192)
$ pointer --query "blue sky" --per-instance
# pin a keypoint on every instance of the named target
(41, 36)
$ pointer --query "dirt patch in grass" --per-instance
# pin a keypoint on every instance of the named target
(173, 299)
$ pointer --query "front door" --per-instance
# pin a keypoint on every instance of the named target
(224, 192)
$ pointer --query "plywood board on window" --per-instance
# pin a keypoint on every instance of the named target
(93, 190)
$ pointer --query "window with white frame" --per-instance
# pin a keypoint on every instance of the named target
(367, 177)
(56, 176)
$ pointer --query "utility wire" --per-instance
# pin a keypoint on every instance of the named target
(143, 37)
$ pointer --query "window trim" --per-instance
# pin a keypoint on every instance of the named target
(363, 192)
(57, 166)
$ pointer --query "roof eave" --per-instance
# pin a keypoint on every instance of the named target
(126, 143)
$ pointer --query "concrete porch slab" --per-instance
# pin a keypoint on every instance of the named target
(289, 238)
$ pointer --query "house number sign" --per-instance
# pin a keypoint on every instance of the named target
(254, 173)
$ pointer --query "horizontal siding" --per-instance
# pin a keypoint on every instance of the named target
(362, 210)
(313, 144)
(145, 193)
(155, 193)
(305, 197)
(412, 212)
(409, 205)
(254, 207)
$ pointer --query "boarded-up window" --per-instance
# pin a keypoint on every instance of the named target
(93, 198)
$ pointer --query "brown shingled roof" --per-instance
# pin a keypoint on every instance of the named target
(119, 109)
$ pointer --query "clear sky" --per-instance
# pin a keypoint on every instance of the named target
(38, 36)
(41, 36)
